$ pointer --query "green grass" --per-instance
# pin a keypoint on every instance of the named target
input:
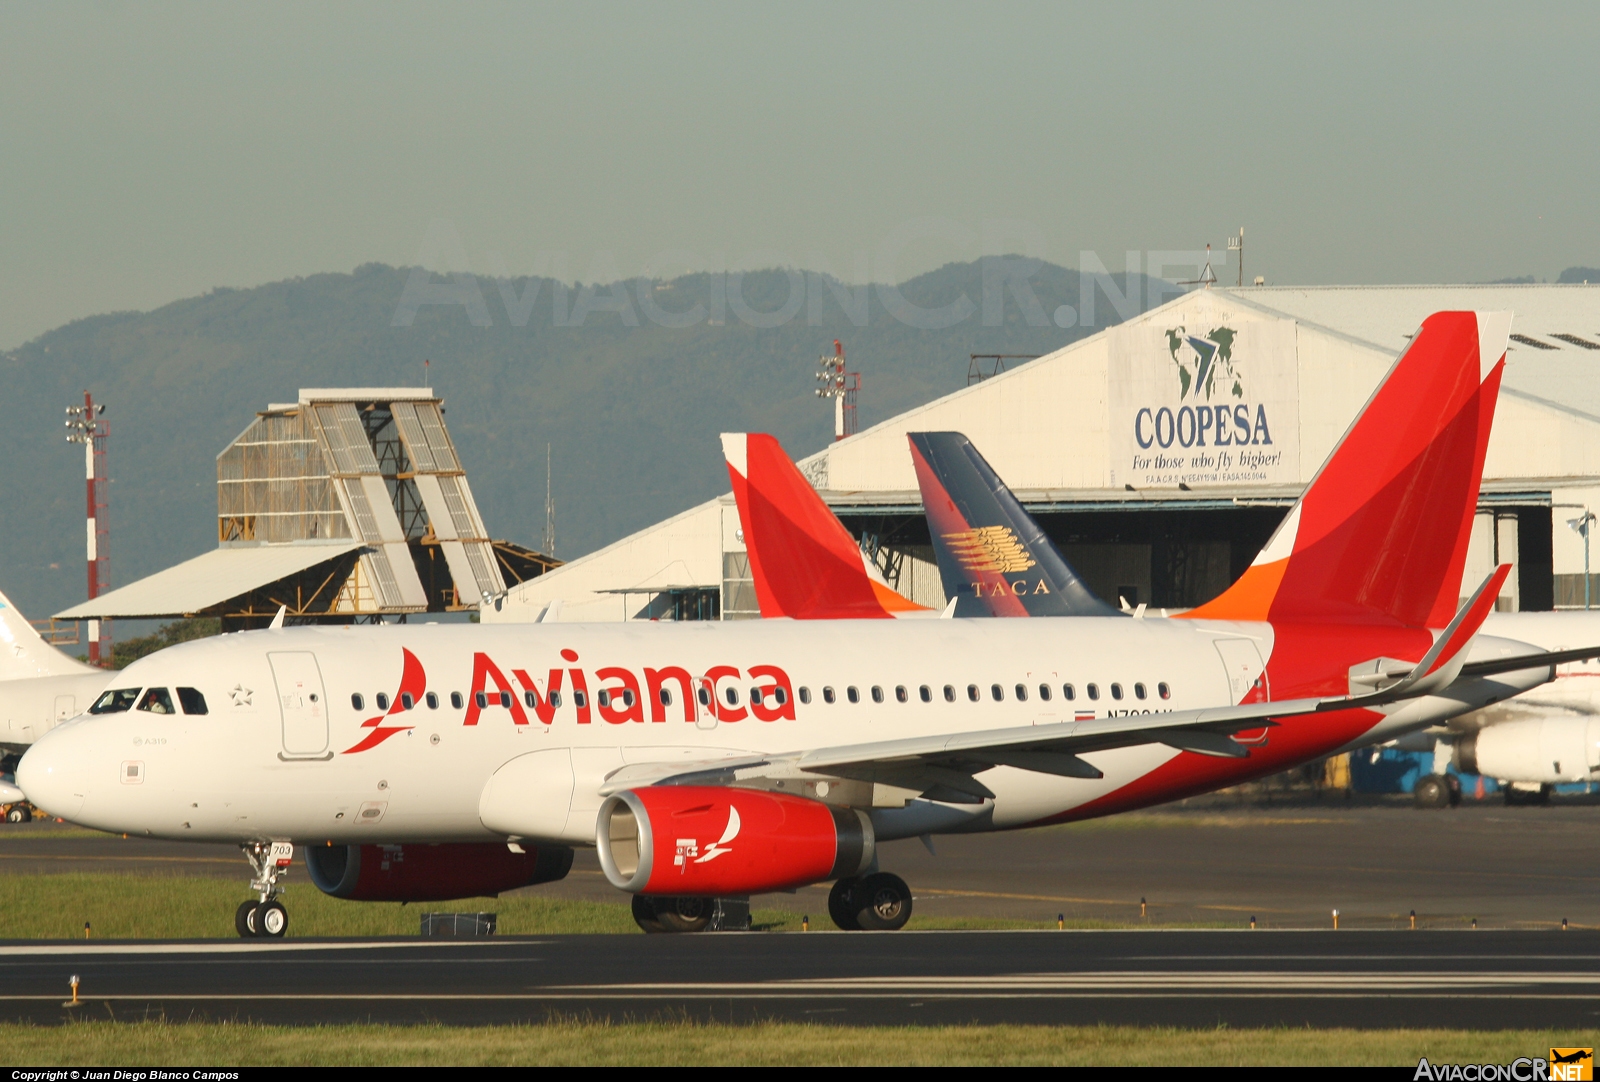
(149, 1044)
(162, 907)
(123, 906)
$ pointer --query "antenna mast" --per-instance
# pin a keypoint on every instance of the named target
(549, 508)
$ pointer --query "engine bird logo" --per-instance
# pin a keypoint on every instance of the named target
(688, 849)
(990, 548)
(1205, 363)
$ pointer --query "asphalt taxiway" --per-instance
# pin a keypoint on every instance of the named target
(1366, 979)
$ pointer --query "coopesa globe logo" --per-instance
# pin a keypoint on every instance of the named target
(1212, 410)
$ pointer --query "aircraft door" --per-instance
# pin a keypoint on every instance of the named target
(1247, 676)
(302, 704)
(705, 704)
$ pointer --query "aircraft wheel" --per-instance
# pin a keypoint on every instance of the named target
(883, 903)
(271, 920)
(684, 914)
(18, 814)
(644, 914)
(1431, 792)
(242, 921)
(839, 907)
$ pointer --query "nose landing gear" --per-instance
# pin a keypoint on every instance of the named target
(264, 918)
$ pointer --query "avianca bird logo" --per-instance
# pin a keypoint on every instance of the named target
(720, 846)
(413, 682)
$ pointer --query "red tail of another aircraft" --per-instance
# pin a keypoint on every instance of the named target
(804, 562)
(1381, 533)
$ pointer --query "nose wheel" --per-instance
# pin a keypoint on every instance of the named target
(265, 917)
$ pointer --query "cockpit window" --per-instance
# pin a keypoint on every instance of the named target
(157, 701)
(115, 701)
(193, 702)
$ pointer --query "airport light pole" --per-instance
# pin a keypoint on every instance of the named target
(841, 386)
(86, 425)
(1581, 526)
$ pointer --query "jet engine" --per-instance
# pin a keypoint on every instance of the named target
(692, 840)
(1543, 750)
(430, 873)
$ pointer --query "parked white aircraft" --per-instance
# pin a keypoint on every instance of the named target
(40, 687)
(708, 760)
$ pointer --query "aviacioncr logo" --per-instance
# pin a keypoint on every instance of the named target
(1205, 362)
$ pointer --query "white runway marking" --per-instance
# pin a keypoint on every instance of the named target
(243, 946)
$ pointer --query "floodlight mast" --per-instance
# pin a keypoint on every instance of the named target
(841, 386)
(86, 424)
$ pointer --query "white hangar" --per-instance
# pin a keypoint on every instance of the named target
(1160, 453)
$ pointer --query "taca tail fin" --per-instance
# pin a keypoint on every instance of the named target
(1381, 532)
(804, 562)
(993, 557)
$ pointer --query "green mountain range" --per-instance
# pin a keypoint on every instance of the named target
(630, 404)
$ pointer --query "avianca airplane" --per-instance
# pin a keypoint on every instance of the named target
(725, 759)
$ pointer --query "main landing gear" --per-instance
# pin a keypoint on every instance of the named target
(265, 917)
(879, 902)
(689, 914)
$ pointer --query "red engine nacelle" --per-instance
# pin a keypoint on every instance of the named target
(430, 873)
(709, 841)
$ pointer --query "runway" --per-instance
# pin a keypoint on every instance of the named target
(1486, 979)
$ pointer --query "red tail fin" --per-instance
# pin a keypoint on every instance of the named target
(805, 563)
(1381, 532)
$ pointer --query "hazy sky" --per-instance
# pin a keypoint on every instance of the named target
(150, 152)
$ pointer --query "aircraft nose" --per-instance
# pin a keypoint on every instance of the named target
(55, 772)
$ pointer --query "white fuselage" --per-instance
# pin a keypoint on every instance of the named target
(294, 745)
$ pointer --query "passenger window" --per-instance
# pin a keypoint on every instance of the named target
(827, 695)
(406, 700)
(1093, 690)
(382, 701)
(926, 693)
(755, 696)
(1138, 691)
(357, 702)
(732, 695)
(115, 702)
(578, 698)
(1068, 692)
(530, 699)
(157, 701)
(780, 696)
(1022, 693)
(627, 696)
(555, 698)
(852, 694)
(505, 699)
(1116, 691)
(972, 692)
(704, 696)
(456, 701)
(665, 694)
(481, 698)
(1163, 691)
(900, 694)
(193, 702)
(605, 698)
(1044, 692)
(432, 700)
(805, 695)
(949, 693)
(877, 694)
(997, 692)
